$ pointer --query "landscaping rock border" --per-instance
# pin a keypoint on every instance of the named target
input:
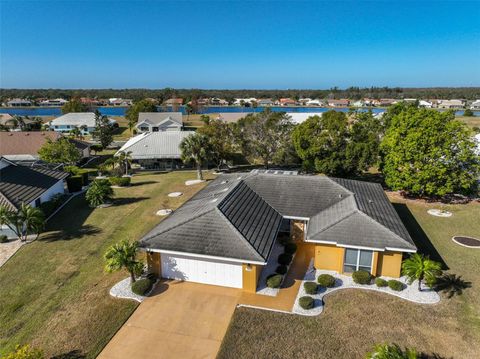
(469, 242)
(175, 194)
(193, 182)
(123, 290)
(439, 213)
(164, 212)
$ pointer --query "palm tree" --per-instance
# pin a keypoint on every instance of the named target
(75, 132)
(421, 268)
(99, 193)
(125, 160)
(392, 351)
(26, 220)
(196, 148)
(452, 284)
(123, 255)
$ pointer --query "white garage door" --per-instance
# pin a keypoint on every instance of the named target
(201, 270)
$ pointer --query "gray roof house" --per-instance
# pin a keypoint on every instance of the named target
(235, 219)
(159, 121)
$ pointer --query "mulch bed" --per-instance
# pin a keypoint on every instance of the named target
(467, 241)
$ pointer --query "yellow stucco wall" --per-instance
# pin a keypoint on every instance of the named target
(329, 257)
(389, 264)
(297, 230)
(250, 277)
(153, 261)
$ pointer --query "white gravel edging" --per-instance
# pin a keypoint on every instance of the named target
(175, 194)
(410, 292)
(439, 213)
(123, 290)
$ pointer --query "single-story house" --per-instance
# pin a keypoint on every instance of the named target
(287, 102)
(240, 101)
(173, 102)
(425, 104)
(85, 121)
(19, 102)
(54, 102)
(475, 105)
(224, 235)
(24, 146)
(265, 102)
(156, 150)
(120, 102)
(384, 102)
(31, 185)
(338, 103)
(159, 121)
(451, 104)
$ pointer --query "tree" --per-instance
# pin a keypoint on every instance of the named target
(468, 113)
(74, 105)
(125, 160)
(220, 137)
(427, 152)
(76, 132)
(23, 222)
(96, 148)
(103, 130)
(421, 268)
(196, 148)
(264, 136)
(59, 151)
(133, 111)
(392, 351)
(99, 193)
(123, 255)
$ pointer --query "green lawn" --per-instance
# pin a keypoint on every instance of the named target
(470, 121)
(354, 320)
(54, 292)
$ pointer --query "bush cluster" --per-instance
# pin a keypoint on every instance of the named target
(306, 302)
(362, 277)
(326, 280)
(50, 206)
(395, 285)
(142, 286)
(285, 259)
(120, 181)
(74, 183)
(281, 269)
(3, 238)
(274, 280)
(380, 282)
(283, 238)
(310, 287)
(290, 248)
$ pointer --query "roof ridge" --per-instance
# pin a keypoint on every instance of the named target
(263, 199)
(331, 179)
(7, 200)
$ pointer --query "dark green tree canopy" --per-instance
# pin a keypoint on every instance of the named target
(140, 106)
(103, 130)
(60, 151)
(74, 105)
(220, 137)
(427, 152)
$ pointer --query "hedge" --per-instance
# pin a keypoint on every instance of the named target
(306, 302)
(326, 280)
(290, 248)
(74, 183)
(380, 282)
(142, 286)
(120, 181)
(310, 287)
(283, 238)
(274, 280)
(281, 269)
(395, 285)
(362, 277)
(285, 259)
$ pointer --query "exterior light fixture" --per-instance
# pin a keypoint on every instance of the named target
(249, 267)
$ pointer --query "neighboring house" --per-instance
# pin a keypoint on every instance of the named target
(475, 105)
(451, 104)
(18, 102)
(287, 102)
(215, 101)
(156, 150)
(224, 235)
(240, 101)
(120, 102)
(24, 146)
(85, 121)
(385, 102)
(315, 102)
(299, 117)
(174, 102)
(159, 121)
(29, 185)
(338, 103)
(56, 102)
(359, 103)
(231, 117)
(425, 104)
(265, 102)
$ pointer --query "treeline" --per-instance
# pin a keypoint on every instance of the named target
(354, 93)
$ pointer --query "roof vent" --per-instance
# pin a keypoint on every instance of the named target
(370, 201)
(214, 200)
(340, 195)
(223, 182)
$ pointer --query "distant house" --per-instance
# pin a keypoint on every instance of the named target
(231, 117)
(475, 105)
(174, 102)
(85, 121)
(299, 117)
(91, 101)
(156, 150)
(245, 101)
(24, 146)
(385, 102)
(451, 104)
(315, 102)
(159, 121)
(287, 102)
(425, 104)
(18, 102)
(359, 103)
(29, 185)
(55, 102)
(338, 103)
(120, 102)
(265, 102)
(215, 101)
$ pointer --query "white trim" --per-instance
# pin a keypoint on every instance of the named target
(297, 218)
(361, 247)
(202, 256)
(321, 242)
(392, 249)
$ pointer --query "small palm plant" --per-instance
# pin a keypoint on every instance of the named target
(123, 255)
(99, 192)
(196, 148)
(23, 222)
(452, 284)
(392, 351)
(421, 268)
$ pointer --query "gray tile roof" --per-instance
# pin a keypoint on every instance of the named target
(238, 216)
(20, 184)
(156, 118)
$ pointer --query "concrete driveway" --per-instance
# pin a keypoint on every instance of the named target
(180, 320)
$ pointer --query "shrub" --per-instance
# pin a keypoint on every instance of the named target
(395, 285)
(326, 280)
(99, 193)
(3, 238)
(362, 277)
(120, 181)
(284, 259)
(142, 286)
(310, 287)
(74, 183)
(284, 238)
(290, 248)
(274, 280)
(306, 302)
(380, 282)
(281, 269)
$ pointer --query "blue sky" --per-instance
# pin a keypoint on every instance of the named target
(123, 44)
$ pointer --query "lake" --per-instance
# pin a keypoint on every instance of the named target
(120, 111)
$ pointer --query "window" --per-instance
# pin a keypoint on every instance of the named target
(38, 202)
(357, 259)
